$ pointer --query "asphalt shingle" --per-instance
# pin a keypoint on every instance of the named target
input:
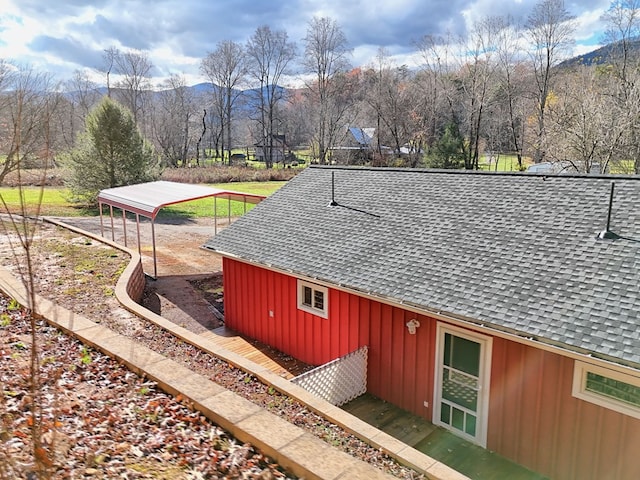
(519, 252)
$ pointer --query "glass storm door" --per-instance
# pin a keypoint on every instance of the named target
(461, 396)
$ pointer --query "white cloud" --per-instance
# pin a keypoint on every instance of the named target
(66, 35)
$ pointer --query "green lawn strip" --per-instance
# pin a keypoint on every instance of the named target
(506, 163)
(621, 167)
(55, 201)
(205, 206)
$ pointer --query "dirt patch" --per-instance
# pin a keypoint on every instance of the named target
(211, 289)
(184, 284)
(193, 302)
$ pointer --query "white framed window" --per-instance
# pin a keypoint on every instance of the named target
(608, 388)
(313, 298)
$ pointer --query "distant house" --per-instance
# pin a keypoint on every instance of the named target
(498, 306)
(238, 159)
(360, 137)
(278, 149)
(357, 148)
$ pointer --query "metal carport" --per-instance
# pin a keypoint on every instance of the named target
(146, 199)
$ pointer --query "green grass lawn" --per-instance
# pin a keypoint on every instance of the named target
(54, 201)
(205, 207)
(506, 163)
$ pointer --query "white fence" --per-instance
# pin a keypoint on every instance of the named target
(338, 381)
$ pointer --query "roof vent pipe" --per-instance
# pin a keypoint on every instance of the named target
(333, 191)
(607, 233)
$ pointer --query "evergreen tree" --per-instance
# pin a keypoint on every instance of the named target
(111, 152)
(448, 152)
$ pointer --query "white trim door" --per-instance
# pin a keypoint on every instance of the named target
(461, 394)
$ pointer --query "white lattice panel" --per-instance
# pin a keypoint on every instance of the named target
(338, 381)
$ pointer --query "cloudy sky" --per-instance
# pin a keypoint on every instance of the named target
(62, 36)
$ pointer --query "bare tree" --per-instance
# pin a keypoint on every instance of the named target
(550, 29)
(510, 91)
(465, 70)
(423, 115)
(623, 30)
(27, 106)
(441, 94)
(476, 81)
(226, 68)
(132, 84)
(389, 98)
(175, 121)
(430, 92)
(296, 122)
(134, 69)
(81, 95)
(579, 125)
(109, 62)
(325, 57)
(269, 55)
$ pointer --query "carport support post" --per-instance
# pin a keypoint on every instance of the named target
(113, 235)
(153, 240)
(215, 215)
(124, 225)
(101, 225)
(229, 211)
(138, 229)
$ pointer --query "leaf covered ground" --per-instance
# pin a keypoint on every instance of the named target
(99, 419)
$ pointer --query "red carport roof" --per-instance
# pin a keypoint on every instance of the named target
(147, 199)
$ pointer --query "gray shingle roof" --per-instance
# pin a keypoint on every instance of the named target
(517, 252)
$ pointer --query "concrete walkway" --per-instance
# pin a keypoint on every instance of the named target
(291, 447)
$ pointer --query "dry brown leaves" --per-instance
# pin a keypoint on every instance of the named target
(103, 420)
(100, 420)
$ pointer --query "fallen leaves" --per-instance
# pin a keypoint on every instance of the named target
(98, 419)
(118, 425)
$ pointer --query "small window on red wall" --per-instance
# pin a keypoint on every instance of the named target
(312, 298)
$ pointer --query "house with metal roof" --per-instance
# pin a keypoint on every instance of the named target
(356, 147)
(502, 307)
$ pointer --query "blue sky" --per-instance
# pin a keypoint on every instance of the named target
(62, 36)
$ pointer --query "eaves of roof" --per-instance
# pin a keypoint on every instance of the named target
(518, 252)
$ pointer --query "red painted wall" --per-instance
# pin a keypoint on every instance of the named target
(263, 305)
(533, 418)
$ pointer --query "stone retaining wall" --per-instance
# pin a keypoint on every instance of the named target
(136, 282)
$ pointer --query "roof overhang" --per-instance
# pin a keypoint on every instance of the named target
(462, 321)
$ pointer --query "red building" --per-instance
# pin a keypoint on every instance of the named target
(503, 307)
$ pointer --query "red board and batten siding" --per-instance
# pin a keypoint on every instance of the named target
(262, 304)
(535, 420)
(533, 417)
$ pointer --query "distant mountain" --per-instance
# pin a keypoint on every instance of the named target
(252, 93)
(602, 55)
(247, 99)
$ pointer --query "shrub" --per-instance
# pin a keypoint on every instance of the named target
(225, 174)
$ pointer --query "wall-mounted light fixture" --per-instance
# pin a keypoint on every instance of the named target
(412, 325)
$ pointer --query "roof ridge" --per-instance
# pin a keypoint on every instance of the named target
(477, 172)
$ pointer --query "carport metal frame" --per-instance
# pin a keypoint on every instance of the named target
(147, 199)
